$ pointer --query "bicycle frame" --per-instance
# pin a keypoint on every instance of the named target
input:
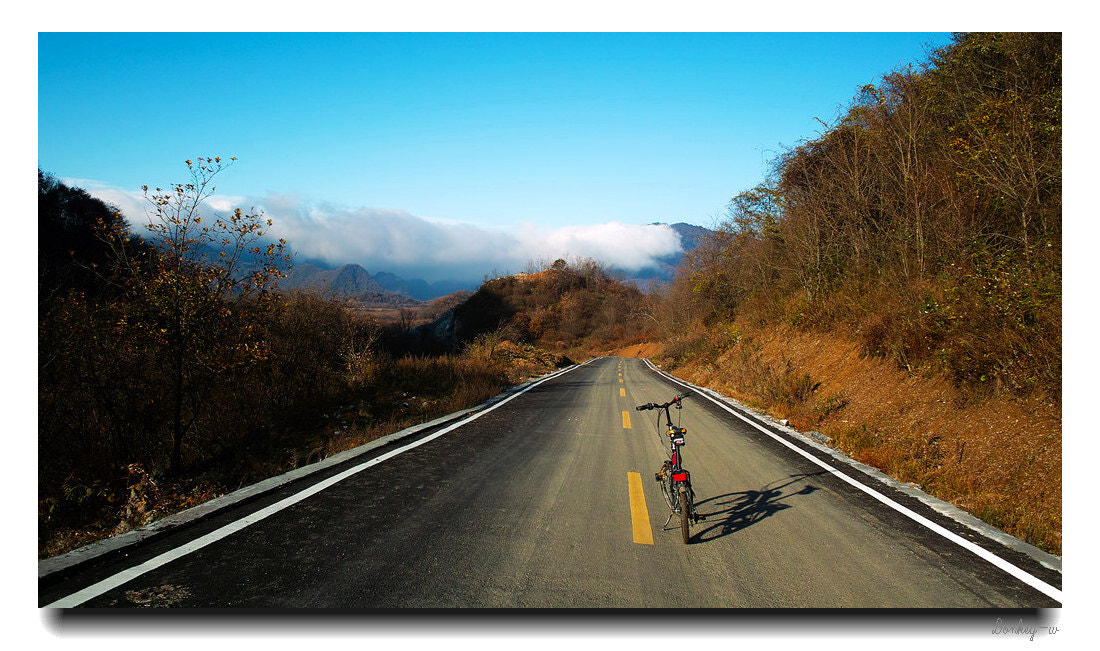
(675, 464)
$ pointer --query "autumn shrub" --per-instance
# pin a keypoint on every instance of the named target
(926, 220)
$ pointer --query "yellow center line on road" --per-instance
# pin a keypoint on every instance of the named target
(622, 392)
(626, 420)
(639, 514)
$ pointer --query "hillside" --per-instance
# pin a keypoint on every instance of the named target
(564, 307)
(921, 235)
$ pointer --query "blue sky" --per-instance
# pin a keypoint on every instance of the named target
(335, 134)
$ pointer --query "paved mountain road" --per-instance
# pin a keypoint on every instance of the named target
(529, 506)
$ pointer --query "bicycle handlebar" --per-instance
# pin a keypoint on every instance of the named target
(675, 401)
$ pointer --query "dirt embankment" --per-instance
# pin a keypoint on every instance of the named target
(996, 456)
(649, 349)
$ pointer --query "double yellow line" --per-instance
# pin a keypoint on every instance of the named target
(622, 394)
(639, 513)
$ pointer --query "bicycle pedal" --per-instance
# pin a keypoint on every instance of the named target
(659, 476)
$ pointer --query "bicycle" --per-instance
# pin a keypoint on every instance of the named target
(674, 479)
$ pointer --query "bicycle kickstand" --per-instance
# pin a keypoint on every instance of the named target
(664, 527)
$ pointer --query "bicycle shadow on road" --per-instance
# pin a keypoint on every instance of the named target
(736, 511)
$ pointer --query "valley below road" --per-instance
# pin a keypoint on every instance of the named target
(527, 503)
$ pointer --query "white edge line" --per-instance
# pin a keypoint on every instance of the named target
(111, 582)
(1038, 584)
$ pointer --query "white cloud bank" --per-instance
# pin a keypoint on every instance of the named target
(411, 246)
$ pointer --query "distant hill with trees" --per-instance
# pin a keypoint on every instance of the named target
(564, 307)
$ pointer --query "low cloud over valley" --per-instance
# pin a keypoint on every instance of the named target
(417, 247)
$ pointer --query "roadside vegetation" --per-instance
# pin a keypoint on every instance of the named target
(896, 283)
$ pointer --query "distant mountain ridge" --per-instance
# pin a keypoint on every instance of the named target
(690, 234)
(352, 281)
(420, 289)
(664, 268)
(349, 281)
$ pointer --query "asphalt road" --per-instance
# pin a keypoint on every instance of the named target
(529, 506)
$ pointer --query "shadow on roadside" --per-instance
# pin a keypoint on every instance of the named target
(729, 513)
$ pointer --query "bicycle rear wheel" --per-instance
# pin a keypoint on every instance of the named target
(685, 513)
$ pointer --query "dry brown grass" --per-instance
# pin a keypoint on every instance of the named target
(648, 349)
(999, 458)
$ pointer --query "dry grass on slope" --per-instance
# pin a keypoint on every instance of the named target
(998, 458)
(648, 349)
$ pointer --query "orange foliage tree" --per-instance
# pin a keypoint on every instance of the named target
(197, 302)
